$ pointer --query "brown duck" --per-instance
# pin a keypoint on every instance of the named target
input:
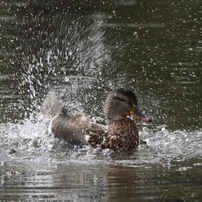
(121, 133)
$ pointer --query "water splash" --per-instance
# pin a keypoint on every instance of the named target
(30, 140)
(69, 45)
(67, 53)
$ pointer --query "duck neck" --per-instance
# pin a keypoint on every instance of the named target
(111, 121)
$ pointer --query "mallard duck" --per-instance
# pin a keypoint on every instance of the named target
(121, 133)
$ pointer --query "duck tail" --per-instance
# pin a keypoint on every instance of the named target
(52, 105)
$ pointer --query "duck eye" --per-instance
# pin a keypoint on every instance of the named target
(118, 98)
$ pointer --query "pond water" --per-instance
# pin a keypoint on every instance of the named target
(83, 49)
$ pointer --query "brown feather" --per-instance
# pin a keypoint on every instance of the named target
(122, 135)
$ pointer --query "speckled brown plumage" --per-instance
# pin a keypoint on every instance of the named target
(122, 135)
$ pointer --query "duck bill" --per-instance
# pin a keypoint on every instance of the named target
(139, 115)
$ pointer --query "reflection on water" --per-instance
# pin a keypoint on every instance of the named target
(106, 184)
(83, 50)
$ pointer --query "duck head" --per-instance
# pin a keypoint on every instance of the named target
(120, 103)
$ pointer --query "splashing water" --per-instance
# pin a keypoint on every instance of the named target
(69, 53)
(77, 55)
(72, 56)
(163, 147)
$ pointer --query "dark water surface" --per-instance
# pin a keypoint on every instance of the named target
(83, 49)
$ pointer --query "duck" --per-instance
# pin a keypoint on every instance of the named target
(120, 133)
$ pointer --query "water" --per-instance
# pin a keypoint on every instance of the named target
(83, 50)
